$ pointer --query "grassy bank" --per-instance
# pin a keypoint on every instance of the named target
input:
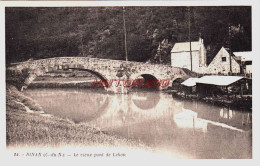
(34, 128)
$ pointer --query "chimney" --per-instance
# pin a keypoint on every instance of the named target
(200, 40)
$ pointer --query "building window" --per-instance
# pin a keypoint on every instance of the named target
(224, 59)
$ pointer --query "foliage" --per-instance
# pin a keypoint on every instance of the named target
(16, 77)
(98, 31)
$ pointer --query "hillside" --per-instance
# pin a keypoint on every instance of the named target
(98, 31)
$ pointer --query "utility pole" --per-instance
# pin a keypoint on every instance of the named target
(81, 39)
(190, 40)
(159, 52)
(230, 53)
(126, 56)
(229, 42)
(82, 46)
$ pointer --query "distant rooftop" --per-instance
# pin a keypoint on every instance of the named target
(244, 56)
(185, 46)
(226, 51)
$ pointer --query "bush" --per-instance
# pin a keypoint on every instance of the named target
(16, 77)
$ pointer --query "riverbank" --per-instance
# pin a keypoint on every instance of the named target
(238, 102)
(28, 126)
(56, 84)
(62, 82)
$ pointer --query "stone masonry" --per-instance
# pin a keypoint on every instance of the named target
(104, 69)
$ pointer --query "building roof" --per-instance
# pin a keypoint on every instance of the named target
(244, 56)
(219, 80)
(185, 46)
(224, 51)
(190, 82)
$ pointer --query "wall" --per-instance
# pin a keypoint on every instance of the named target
(203, 56)
(218, 66)
(248, 69)
(199, 60)
(182, 59)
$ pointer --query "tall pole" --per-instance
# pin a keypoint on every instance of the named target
(126, 57)
(159, 51)
(229, 43)
(190, 40)
(82, 49)
(230, 53)
(81, 29)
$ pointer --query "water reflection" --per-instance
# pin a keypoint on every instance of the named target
(190, 127)
(134, 108)
(71, 104)
(223, 115)
(189, 119)
(145, 101)
(226, 113)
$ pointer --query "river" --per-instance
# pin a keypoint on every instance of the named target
(190, 128)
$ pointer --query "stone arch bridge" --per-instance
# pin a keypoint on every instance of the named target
(105, 69)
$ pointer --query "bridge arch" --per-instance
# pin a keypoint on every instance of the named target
(103, 79)
(147, 77)
(176, 83)
(34, 73)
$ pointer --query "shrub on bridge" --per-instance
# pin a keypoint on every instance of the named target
(16, 77)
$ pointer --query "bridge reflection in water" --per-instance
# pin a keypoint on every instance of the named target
(193, 128)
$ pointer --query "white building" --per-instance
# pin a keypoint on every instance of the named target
(221, 63)
(246, 60)
(180, 56)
